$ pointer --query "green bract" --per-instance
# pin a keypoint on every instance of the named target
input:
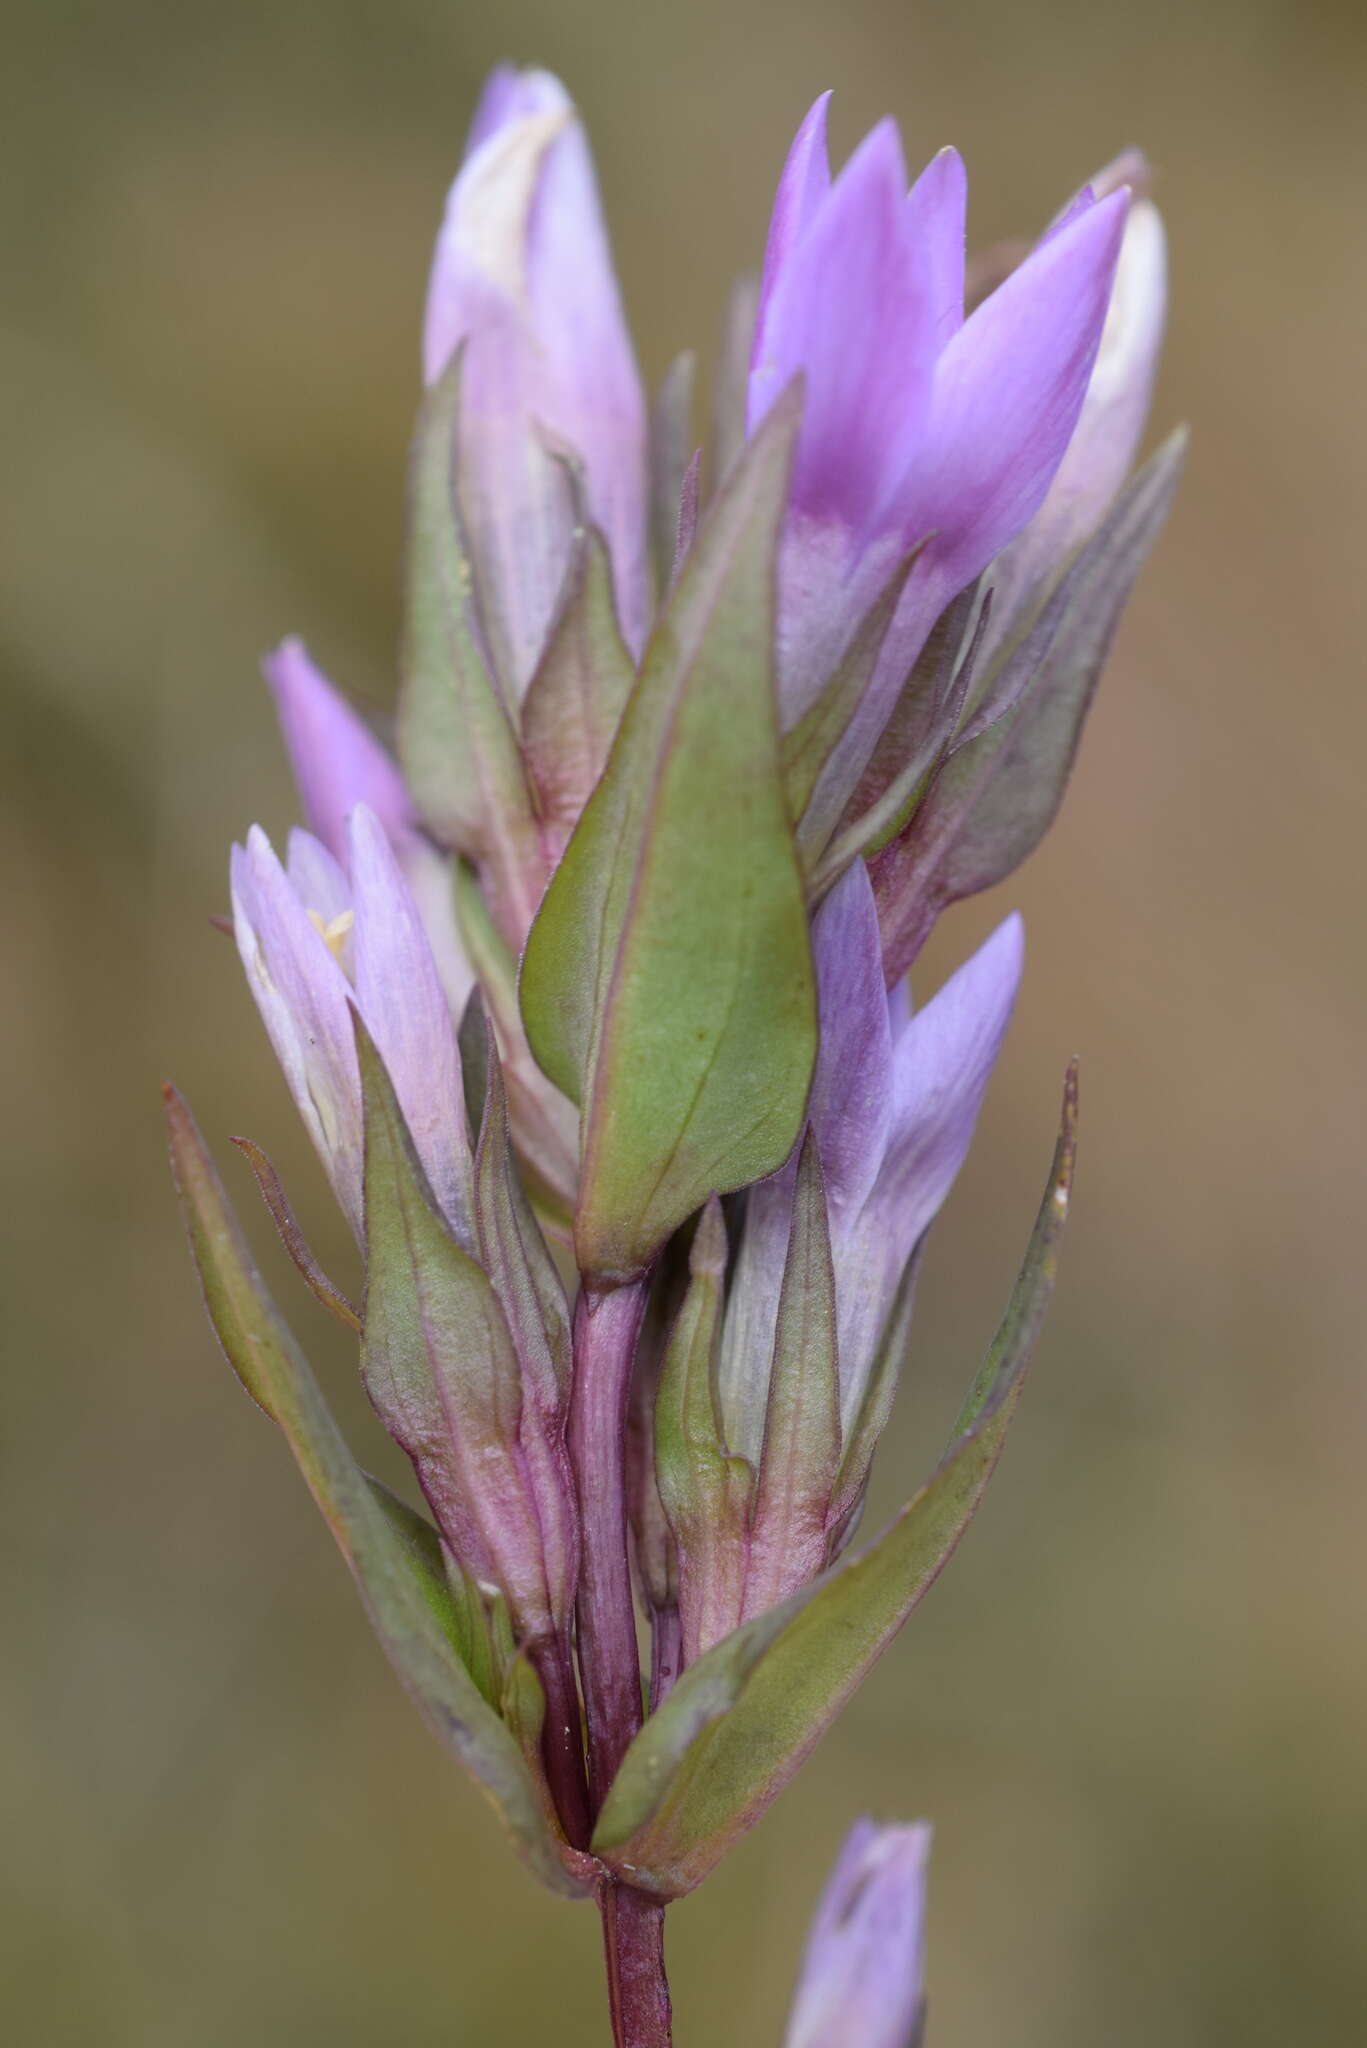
(667, 982)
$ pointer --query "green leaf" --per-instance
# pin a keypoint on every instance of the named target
(391, 1559)
(741, 1720)
(667, 982)
(457, 741)
(575, 700)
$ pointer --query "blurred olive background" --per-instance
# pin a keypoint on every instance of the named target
(1135, 1707)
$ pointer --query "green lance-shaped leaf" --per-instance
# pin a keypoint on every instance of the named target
(801, 1451)
(997, 793)
(456, 737)
(705, 1491)
(742, 1719)
(392, 1553)
(575, 700)
(440, 1365)
(667, 982)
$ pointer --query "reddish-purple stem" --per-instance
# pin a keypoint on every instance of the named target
(634, 1949)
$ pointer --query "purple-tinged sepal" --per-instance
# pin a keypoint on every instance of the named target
(429, 1619)
(475, 1392)
(1001, 784)
(862, 1980)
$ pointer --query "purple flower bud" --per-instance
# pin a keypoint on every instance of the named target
(919, 425)
(314, 940)
(523, 281)
(338, 763)
(337, 760)
(861, 1983)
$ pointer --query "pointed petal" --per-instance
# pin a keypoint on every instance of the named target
(320, 882)
(1006, 398)
(941, 1066)
(805, 182)
(846, 313)
(851, 1101)
(937, 212)
(336, 758)
(1108, 431)
(303, 996)
(400, 996)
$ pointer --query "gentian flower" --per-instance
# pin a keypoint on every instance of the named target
(920, 427)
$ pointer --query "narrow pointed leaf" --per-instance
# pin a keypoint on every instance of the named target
(997, 794)
(393, 1566)
(731, 390)
(741, 1721)
(667, 981)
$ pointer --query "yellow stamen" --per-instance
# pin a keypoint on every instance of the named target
(333, 935)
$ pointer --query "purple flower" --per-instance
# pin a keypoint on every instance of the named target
(523, 284)
(861, 1983)
(920, 426)
(894, 1101)
(316, 938)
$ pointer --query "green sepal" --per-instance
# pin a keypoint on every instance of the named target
(457, 741)
(575, 700)
(387, 1547)
(801, 1454)
(742, 1719)
(667, 983)
(671, 450)
(545, 1123)
(704, 1490)
(1000, 787)
(808, 745)
(439, 1362)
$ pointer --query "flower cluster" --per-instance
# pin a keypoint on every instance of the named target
(593, 996)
